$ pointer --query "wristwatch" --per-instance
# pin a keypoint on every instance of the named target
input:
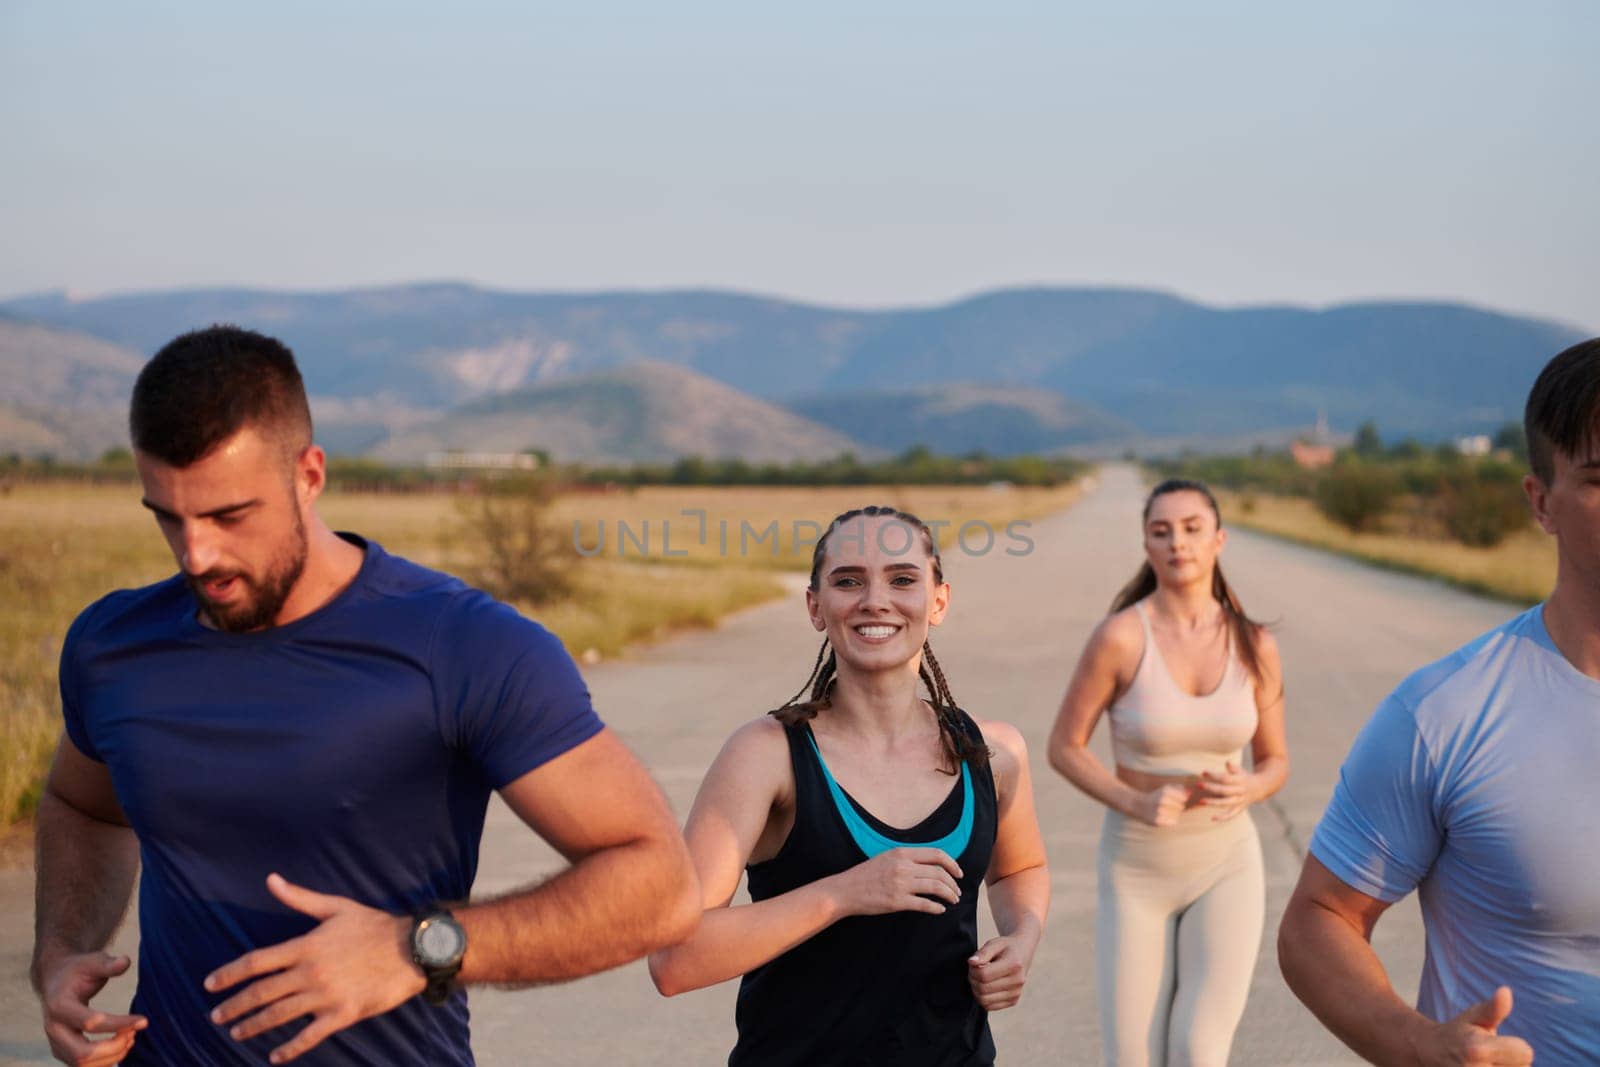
(437, 944)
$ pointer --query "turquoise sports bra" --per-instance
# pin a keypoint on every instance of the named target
(871, 842)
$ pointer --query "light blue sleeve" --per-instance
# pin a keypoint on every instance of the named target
(1381, 832)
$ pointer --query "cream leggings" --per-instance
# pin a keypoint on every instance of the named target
(1176, 940)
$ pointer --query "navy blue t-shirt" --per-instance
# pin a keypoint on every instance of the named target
(353, 751)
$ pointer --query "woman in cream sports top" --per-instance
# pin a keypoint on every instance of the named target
(1188, 681)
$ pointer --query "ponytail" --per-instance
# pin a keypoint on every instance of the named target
(1139, 586)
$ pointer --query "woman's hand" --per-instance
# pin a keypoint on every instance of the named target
(998, 970)
(902, 879)
(1161, 807)
(1228, 793)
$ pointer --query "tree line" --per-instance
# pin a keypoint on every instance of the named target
(1420, 490)
(914, 466)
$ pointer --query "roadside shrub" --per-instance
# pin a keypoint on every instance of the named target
(1367, 442)
(518, 552)
(1268, 472)
(1482, 506)
(1356, 495)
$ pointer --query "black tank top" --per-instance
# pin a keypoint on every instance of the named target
(880, 990)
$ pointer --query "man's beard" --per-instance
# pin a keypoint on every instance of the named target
(264, 599)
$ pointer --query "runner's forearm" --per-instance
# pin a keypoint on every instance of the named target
(737, 939)
(1270, 774)
(1019, 903)
(607, 909)
(86, 870)
(1333, 969)
(1083, 769)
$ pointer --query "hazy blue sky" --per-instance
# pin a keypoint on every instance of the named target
(861, 154)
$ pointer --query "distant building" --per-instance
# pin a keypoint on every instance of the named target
(1476, 445)
(1311, 457)
(483, 461)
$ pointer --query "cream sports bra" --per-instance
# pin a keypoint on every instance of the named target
(1159, 729)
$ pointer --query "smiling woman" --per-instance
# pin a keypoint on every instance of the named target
(866, 817)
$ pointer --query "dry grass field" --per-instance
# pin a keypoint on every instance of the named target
(1521, 569)
(64, 545)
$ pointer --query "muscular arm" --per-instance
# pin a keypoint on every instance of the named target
(630, 889)
(1094, 686)
(86, 861)
(86, 858)
(1325, 953)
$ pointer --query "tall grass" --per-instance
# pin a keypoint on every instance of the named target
(60, 547)
(64, 545)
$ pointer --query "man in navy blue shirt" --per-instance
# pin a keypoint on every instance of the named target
(295, 739)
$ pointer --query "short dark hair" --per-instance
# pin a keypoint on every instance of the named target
(1563, 409)
(206, 386)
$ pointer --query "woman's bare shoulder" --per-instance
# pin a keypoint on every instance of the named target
(1118, 637)
(1008, 751)
(759, 738)
(1124, 625)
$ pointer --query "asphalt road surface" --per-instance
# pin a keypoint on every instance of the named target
(1348, 634)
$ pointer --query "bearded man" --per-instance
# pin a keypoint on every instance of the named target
(295, 737)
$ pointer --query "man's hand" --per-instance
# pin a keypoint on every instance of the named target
(997, 972)
(66, 985)
(354, 965)
(1470, 1037)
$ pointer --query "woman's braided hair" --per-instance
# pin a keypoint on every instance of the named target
(957, 745)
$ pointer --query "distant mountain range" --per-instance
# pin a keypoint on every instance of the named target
(405, 368)
(962, 417)
(62, 392)
(640, 412)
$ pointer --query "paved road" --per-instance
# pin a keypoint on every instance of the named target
(1348, 634)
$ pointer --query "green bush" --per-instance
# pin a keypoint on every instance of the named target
(1476, 501)
(915, 466)
(1481, 506)
(1270, 472)
(1356, 495)
(1367, 442)
(519, 553)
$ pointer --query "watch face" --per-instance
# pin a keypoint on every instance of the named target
(440, 941)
